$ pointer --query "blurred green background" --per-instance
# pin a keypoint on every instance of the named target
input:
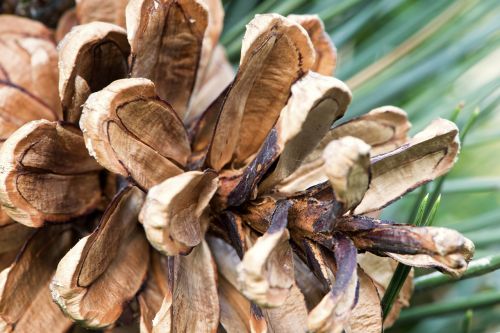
(426, 57)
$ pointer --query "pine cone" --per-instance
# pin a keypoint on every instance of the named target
(237, 206)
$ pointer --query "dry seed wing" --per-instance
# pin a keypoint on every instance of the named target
(428, 155)
(440, 248)
(156, 290)
(91, 56)
(289, 317)
(265, 274)
(316, 102)
(227, 260)
(384, 129)
(310, 286)
(218, 76)
(130, 131)
(380, 270)
(326, 53)
(166, 39)
(275, 53)
(333, 312)
(24, 285)
(111, 11)
(344, 162)
(15, 25)
(43, 165)
(366, 317)
(212, 58)
(175, 212)
(347, 166)
(13, 235)
(105, 269)
(28, 75)
(67, 21)
(194, 306)
(29, 60)
(306, 176)
(234, 307)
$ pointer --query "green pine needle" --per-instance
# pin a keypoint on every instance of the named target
(402, 271)
(421, 194)
(467, 322)
(470, 122)
(456, 112)
(429, 217)
(480, 300)
(392, 292)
